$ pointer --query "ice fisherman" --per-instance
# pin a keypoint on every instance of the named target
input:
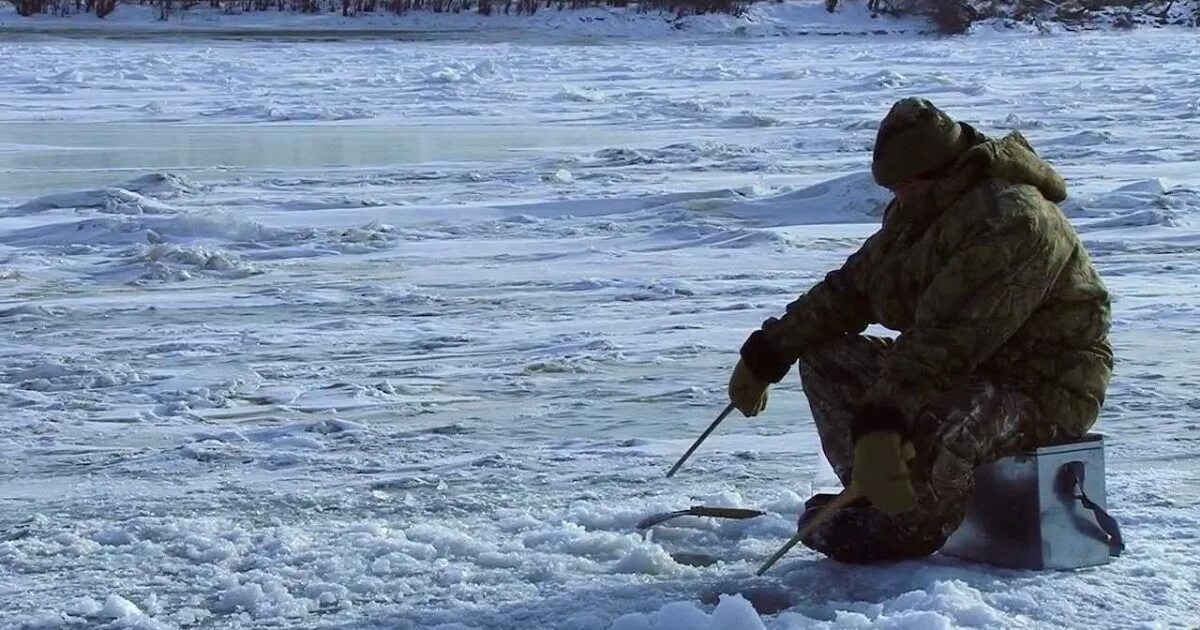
(1002, 343)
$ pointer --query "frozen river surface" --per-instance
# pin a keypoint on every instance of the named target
(384, 334)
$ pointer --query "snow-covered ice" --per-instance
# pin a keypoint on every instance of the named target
(404, 334)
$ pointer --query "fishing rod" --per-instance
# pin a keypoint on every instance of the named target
(699, 440)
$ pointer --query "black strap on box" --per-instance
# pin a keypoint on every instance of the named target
(1116, 544)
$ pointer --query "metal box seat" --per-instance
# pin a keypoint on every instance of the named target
(1044, 509)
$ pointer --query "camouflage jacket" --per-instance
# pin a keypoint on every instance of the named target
(986, 278)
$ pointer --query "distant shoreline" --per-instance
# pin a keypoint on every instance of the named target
(496, 35)
(230, 31)
(792, 18)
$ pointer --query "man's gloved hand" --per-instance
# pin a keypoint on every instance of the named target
(747, 393)
(881, 471)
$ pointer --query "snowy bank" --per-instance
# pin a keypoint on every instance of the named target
(803, 17)
(763, 18)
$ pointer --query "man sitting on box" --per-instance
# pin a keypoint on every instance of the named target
(1002, 345)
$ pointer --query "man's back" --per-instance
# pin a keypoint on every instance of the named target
(975, 259)
(984, 274)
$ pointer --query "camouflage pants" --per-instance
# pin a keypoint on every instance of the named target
(975, 423)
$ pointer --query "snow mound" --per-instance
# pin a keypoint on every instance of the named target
(167, 262)
(30, 310)
(853, 198)
(581, 94)
(1081, 139)
(1155, 186)
(195, 256)
(885, 79)
(689, 236)
(70, 374)
(366, 238)
(1149, 202)
(108, 200)
(274, 112)
(566, 365)
(140, 195)
(1139, 218)
(750, 120)
(180, 228)
(463, 73)
(163, 185)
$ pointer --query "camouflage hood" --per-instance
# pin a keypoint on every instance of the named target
(1012, 160)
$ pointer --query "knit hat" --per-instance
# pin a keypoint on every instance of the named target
(915, 139)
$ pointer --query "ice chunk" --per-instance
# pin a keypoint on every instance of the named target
(682, 616)
(649, 559)
(43, 620)
(117, 607)
(735, 613)
(84, 607)
(113, 537)
(241, 597)
(1154, 186)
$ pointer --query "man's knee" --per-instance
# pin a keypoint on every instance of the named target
(847, 350)
(849, 361)
(861, 534)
